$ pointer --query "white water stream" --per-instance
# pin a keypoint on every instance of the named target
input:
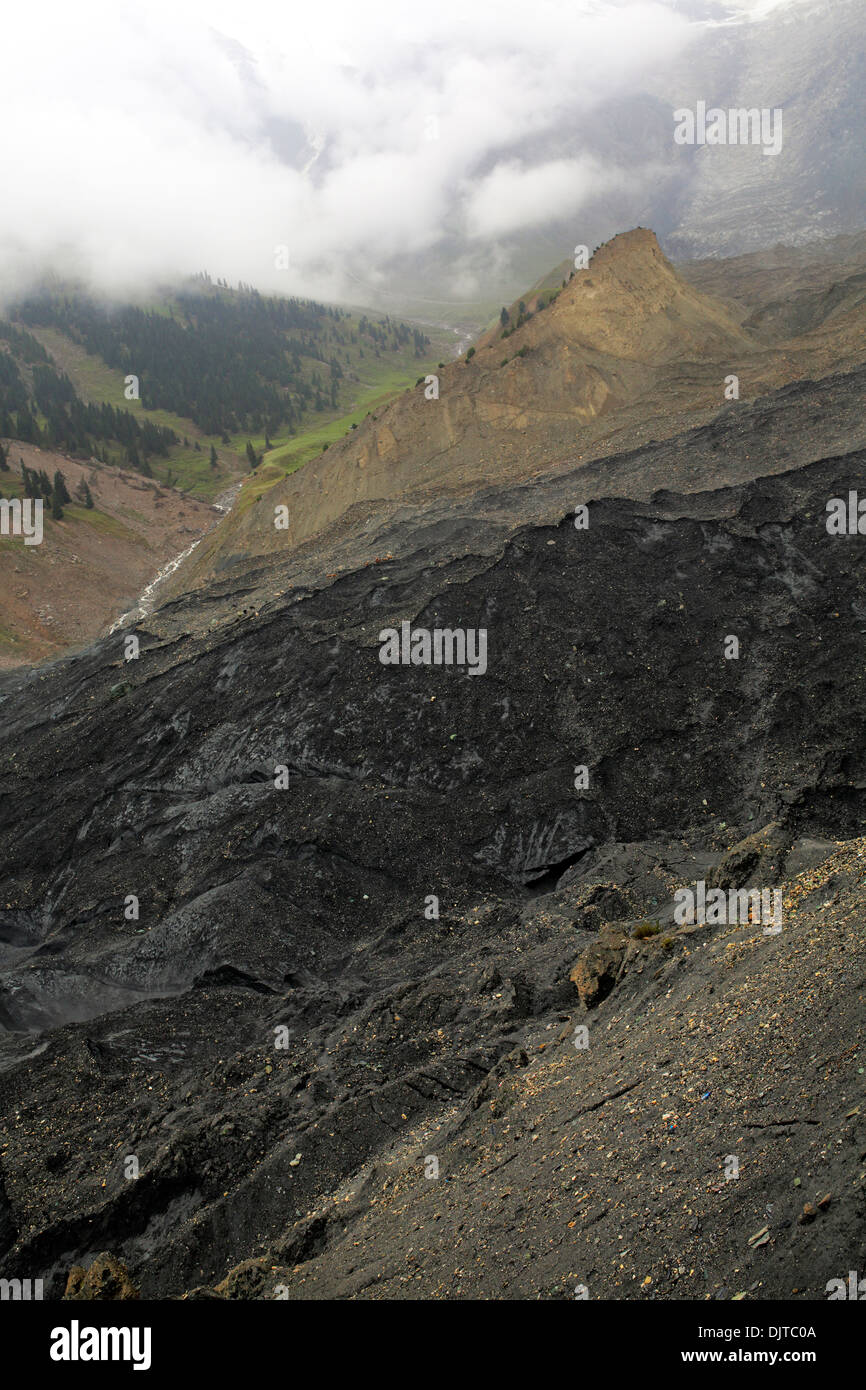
(147, 597)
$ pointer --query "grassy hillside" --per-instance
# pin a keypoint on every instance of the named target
(287, 457)
(226, 370)
(185, 467)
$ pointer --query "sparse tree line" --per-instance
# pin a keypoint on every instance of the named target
(509, 325)
(54, 493)
(49, 413)
(388, 334)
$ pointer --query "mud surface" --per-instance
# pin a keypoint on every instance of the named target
(410, 1037)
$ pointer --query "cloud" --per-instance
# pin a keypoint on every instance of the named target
(513, 198)
(144, 142)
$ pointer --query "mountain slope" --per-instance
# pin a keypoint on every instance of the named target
(806, 58)
(627, 351)
(205, 362)
(261, 908)
(94, 561)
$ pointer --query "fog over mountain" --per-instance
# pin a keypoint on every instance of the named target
(269, 145)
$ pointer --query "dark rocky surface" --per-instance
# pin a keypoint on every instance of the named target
(259, 908)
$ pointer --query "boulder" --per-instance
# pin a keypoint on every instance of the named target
(597, 969)
(106, 1279)
(754, 862)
